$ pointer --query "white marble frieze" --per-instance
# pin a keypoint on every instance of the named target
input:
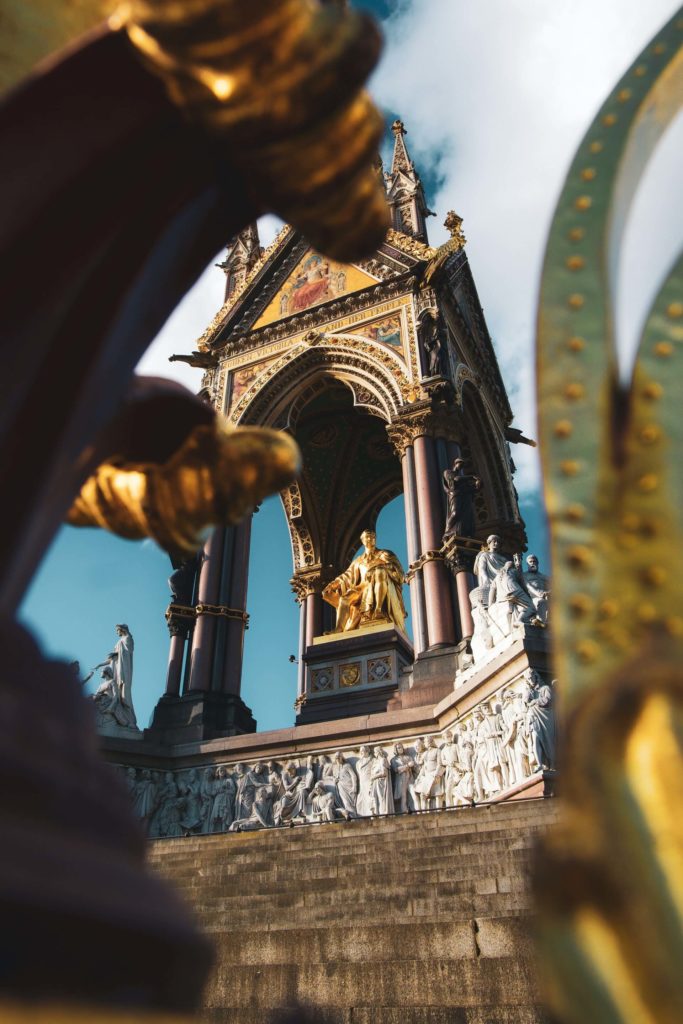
(497, 745)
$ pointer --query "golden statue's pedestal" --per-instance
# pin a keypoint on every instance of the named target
(354, 672)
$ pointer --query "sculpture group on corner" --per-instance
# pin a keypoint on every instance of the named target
(113, 699)
(499, 744)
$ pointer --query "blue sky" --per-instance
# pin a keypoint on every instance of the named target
(495, 97)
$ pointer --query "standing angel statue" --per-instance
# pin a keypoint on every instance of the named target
(113, 698)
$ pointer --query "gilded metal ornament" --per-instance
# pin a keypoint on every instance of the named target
(609, 879)
(214, 478)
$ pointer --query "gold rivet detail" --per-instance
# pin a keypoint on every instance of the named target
(609, 119)
(663, 349)
(576, 300)
(647, 612)
(569, 467)
(609, 608)
(648, 483)
(659, 48)
(587, 650)
(563, 428)
(596, 147)
(581, 604)
(653, 390)
(675, 310)
(588, 173)
(674, 625)
(576, 344)
(583, 202)
(575, 512)
(630, 521)
(574, 391)
(640, 70)
(623, 95)
(575, 262)
(654, 576)
(579, 556)
(650, 433)
(576, 234)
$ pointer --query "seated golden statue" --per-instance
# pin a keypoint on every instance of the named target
(369, 591)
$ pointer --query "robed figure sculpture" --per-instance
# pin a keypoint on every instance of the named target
(370, 590)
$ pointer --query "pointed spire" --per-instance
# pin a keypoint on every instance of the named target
(243, 252)
(405, 194)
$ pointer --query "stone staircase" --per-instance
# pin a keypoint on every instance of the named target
(417, 919)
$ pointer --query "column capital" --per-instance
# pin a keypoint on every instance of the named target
(309, 580)
(424, 421)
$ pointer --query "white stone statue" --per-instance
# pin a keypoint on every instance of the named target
(540, 723)
(381, 790)
(364, 770)
(491, 730)
(483, 785)
(487, 563)
(429, 783)
(113, 699)
(538, 588)
(509, 602)
(403, 766)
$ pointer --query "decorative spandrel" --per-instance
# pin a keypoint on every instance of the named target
(313, 281)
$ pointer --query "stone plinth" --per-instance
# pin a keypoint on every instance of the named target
(353, 673)
(198, 716)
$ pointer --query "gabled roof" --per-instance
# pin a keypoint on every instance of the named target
(400, 254)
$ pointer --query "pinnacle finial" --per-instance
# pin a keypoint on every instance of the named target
(398, 127)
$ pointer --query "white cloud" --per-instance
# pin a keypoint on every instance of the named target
(496, 96)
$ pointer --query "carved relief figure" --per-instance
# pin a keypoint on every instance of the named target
(403, 767)
(370, 590)
(261, 814)
(323, 806)
(381, 792)
(190, 803)
(450, 761)
(429, 783)
(418, 759)
(460, 488)
(168, 820)
(540, 723)
(144, 796)
(223, 806)
(464, 790)
(514, 738)
(292, 804)
(364, 769)
(207, 791)
(346, 783)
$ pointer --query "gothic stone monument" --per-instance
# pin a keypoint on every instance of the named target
(385, 374)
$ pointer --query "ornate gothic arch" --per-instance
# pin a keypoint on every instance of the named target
(375, 376)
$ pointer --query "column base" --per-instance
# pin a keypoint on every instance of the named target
(199, 715)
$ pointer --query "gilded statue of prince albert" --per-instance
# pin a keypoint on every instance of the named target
(369, 591)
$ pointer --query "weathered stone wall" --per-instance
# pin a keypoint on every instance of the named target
(418, 919)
